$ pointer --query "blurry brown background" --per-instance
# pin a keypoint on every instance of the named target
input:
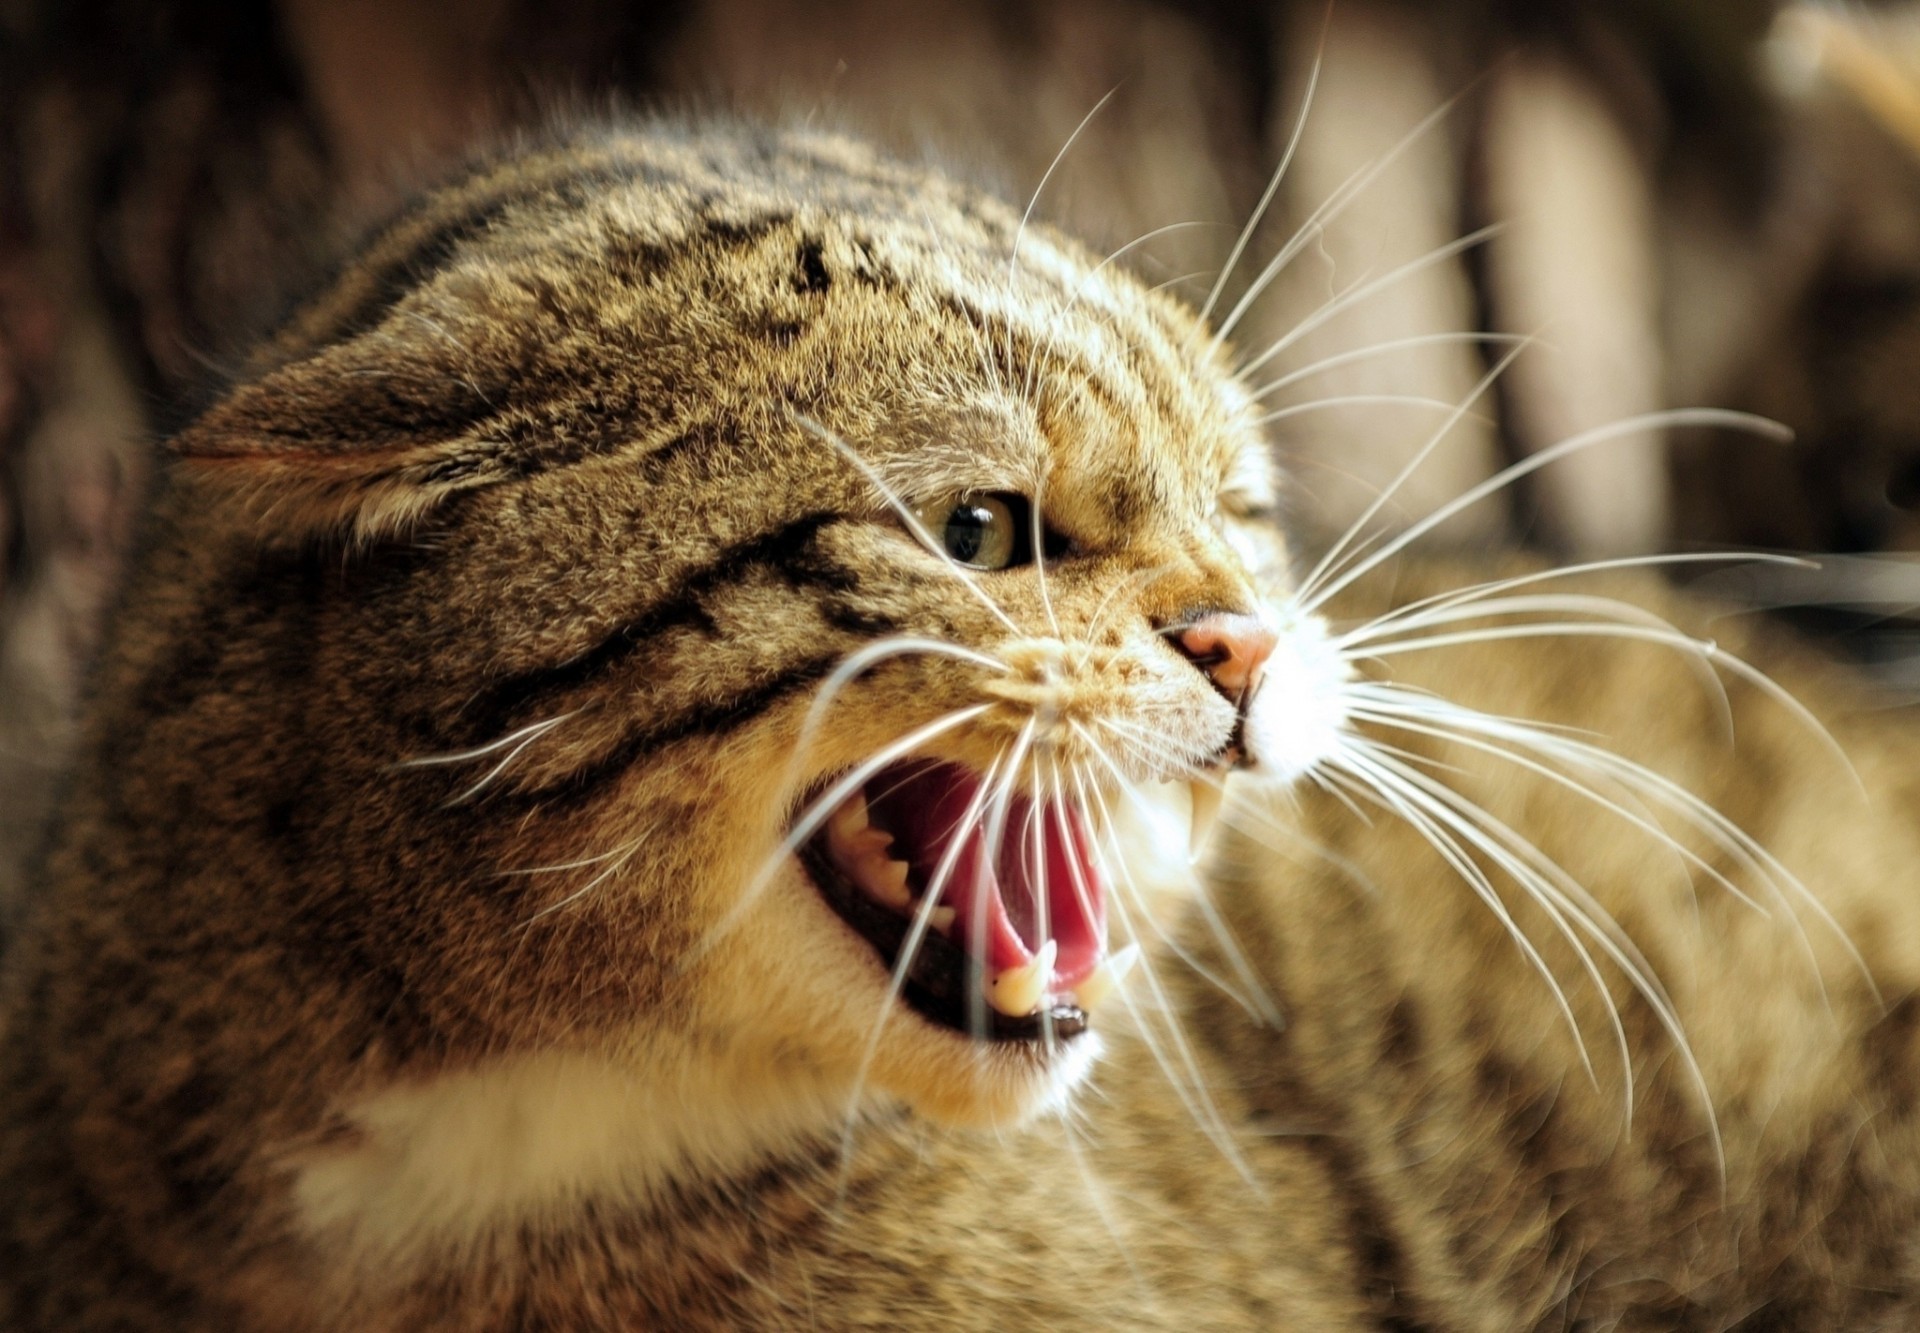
(1706, 203)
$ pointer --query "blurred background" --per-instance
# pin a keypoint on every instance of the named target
(1656, 203)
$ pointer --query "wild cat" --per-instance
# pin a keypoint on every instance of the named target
(632, 788)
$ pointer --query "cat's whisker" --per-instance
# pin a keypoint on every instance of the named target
(1442, 724)
(1363, 289)
(1366, 400)
(1665, 420)
(859, 662)
(624, 855)
(1180, 1067)
(910, 949)
(1368, 781)
(1000, 806)
(1279, 173)
(906, 515)
(1491, 587)
(1307, 595)
(1013, 255)
(1568, 905)
(1252, 994)
(1604, 612)
(817, 811)
(1373, 350)
(580, 863)
(1037, 849)
(1704, 648)
(1575, 756)
(1330, 209)
(515, 743)
(1177, 279)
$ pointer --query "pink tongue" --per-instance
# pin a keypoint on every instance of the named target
(998, 899)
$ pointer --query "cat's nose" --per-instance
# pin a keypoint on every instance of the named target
(1230, 648)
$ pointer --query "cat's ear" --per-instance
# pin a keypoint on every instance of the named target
(361, 439)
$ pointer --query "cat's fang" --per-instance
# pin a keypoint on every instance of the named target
(1105, 979)
(1017, 991)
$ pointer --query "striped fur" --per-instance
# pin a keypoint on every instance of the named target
(393, 965)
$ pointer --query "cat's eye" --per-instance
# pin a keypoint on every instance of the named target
(981, 531)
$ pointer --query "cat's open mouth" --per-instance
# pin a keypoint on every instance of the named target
(1008, 941)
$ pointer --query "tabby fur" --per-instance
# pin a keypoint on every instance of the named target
(295, 1036)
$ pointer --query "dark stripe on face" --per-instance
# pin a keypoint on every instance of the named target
(788, 551)
(701, 720)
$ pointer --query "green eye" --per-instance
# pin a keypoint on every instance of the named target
(980, 531)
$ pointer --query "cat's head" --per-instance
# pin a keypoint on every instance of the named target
(740, 582)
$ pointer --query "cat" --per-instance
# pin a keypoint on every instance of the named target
(637, 782)
(166, 168)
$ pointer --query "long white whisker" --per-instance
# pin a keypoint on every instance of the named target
(906, 515)
(1706, 648)
(1577, 755)
(1363, 289)
(1668, 420)
(1192, 1089)
(1478, 591)
(1372, 350)
(998, 809)
(1364, 400)
(1379, 786)
(1606, 612)
(1255, 998)
(529, 731)
(822, 806)
(1335, 204)
(1279, 172)
(1557, 892)
(1434, 722)
(624, 855)
(910, 948)
(1306, 595)
(1013, 254)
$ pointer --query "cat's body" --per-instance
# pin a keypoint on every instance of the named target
(418, 947)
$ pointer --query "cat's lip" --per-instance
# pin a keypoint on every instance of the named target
(1009, 944)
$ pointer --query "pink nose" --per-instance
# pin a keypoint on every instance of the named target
(1231, 649)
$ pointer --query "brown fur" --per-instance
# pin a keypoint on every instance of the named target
(557, 445)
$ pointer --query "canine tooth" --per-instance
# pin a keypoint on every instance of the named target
(942, 918)
(886, 880)
(1017, 991)
(1106, 978)
(1205, 792)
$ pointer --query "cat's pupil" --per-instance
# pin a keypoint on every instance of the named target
(966, 535)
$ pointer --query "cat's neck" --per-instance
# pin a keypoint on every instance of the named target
(447, 1165)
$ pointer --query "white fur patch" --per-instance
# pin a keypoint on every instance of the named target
(1296, 718)
(443, 1165)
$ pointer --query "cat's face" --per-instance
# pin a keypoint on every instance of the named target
(778, 584)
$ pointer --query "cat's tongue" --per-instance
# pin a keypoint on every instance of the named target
(1016, 886)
